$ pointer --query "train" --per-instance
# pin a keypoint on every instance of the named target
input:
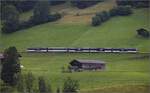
(81, 50)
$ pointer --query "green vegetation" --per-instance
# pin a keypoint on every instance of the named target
(117, 32)
(70, 86)
(10, 66)
(103, 16)
(123, 71)
(10, 19)
(143, 32)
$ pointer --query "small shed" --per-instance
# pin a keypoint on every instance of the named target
(87, 64)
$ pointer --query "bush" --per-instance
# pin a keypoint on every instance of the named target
(96, 21)
(113, 12)
(143, 32)
(134, 3)
(70, 86)
(123, 10)
(10, 19)
(104, 15)
(32, 21)
(100, 17)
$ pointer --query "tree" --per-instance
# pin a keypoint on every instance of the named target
(58, 90)
(113, 12)
(70, 86)
(134, 3)
(123, 10)
(10, 66)
(104, 16)
(96, 21)
(21, 85)
(42, 85)
(41, 12)
(10, 19)
(29, 81)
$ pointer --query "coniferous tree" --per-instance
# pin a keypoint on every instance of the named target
(10, 66)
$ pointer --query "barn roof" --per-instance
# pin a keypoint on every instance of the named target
(89, 61)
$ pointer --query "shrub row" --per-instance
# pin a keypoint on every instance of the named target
(32, 22)
(10, 27)
(134, 3)
(104, 16)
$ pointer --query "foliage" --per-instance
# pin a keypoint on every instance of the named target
(21, 5)
(104, 15)
(123, 10)
(134, 3)
(84, 4)
(10, 19)
(6, 89)
(43, 87)
(10, 66)
(41, 12)
(21, 84)
(143, 32)
(96, 20)
(29, 82)
(58, 90)
(70, 86)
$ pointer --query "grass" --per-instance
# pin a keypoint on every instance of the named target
(117, 32)
(124, 72)
(121, 69)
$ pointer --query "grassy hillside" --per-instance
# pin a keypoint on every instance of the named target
(117, 32)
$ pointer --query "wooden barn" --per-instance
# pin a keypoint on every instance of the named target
(87, 65)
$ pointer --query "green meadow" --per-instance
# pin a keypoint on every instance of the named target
(121, 69)
(125, 73)
(117, 32)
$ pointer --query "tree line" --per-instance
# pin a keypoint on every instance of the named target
(14, 80)
(103, 16)
(26, 5)
(134, 3)
(41, 14)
